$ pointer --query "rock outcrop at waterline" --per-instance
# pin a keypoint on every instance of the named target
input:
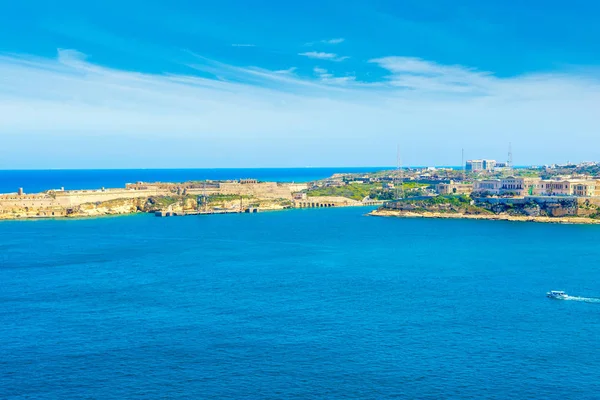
(493, 217)
(532, 209)
(176, 204)
(109, 207)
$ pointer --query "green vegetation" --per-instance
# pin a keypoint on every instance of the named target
(449, 199)
(595, 215)
(285, 202)
(161, 202)
(221, 199)
(409, 189)
(413, 185)
(225, 197)
(413, 189)
(356, 191)
(527, 173)
(443, 204)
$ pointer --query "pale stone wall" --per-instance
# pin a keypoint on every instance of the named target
(66, 202)
(263, 189)
(295, 187)
(42, 200)
(326, 201)
(200, 192)
(77, 197)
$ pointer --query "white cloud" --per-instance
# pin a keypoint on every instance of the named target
(326, 77)
(243, 45)
(415, 73)
(333, 41)
(290, 70)
(323, 56)
(67, 108)
(326, 41)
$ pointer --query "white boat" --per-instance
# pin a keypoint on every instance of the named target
(557, 294)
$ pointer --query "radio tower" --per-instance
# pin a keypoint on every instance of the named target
(509, 163)
(400, 174)
(462, 164)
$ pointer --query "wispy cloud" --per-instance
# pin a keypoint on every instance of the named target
(432, 107)
(326, 41)
(326, 77)
(415, 73)
(290, 70)
(243, 45)
(323, 56)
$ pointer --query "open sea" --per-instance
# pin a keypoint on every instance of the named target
(34, 181)
(313, 303)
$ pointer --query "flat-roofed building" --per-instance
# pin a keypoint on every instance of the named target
(480, 165)
(521, 186)
(489, 165)
(584, 189)
(454, 188)
(474, 165)
(491, 186)
(558, 187)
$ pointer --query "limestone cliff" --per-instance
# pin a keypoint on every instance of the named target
(111, 207)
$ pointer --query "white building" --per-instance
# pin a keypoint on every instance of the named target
(480, 165)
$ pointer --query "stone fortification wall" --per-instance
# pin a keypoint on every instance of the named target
(37, 205)
(133, 197)
(325, 201)
(35, 200)
(171, 186)
(295, 187)
(203, 191)
(589, 200)
(77, 197)
(72, 197)
(269, 190)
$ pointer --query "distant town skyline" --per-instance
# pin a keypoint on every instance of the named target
(269, 84)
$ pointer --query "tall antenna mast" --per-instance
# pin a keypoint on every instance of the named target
(462, 164)
(509, 163)
(399, 189)
(204, 201)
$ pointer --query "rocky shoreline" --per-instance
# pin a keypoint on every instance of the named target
(492, 217)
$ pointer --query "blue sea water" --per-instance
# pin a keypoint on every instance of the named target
(33, 181)
(315, 303)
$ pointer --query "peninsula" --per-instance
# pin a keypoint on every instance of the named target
(483, 189)
(173, 199)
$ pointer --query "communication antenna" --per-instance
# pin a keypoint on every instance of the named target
(400, 174)
(204, 201)
(462, 163)
(509, 163)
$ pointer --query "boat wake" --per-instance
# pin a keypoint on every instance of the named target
(583, 299)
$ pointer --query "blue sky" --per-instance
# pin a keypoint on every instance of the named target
(315, 83)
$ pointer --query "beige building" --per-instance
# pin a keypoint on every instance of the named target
(559, 187)
(491, 186)
(454, 188)
(586, 188)
(521, 186)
